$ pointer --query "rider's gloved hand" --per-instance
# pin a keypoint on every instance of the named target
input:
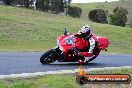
(76, 52)
(78, 35)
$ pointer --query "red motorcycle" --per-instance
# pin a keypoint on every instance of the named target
(73, 49)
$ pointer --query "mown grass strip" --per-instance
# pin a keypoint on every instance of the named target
(58, 81)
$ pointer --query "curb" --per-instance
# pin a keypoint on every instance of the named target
(25, 75)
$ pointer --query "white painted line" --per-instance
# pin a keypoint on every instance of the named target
(108, 68)
(24, 75)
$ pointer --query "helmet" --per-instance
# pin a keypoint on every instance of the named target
(86, 31)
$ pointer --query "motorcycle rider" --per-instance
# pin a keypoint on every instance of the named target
(86, 34)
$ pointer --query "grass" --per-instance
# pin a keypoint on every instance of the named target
(28, 30)
(109, 6)
(47, 81)
(116, 71)
(55, 81)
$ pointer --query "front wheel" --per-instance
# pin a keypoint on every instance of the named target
(47, 57)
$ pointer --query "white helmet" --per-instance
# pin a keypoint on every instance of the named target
(86, 30)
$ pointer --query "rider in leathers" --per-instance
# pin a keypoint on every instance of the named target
(86, 33)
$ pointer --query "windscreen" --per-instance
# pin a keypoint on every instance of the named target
(70, 39)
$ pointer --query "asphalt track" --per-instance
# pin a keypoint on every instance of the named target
(28, 62)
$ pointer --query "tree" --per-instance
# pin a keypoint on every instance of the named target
(67, 5)
(26, 3)
(74, 11)
(8, 2)
(42, 5)
(23, 3)
(57, 6)
(119, 17)
(98, 15)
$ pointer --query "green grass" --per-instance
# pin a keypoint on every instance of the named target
(112, 71)
(47, 81)
(109, 6)
(54, 81)
(28, 30)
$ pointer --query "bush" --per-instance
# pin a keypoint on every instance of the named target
(42, 5)
(98, 15)
(74, 11)
(56, 6)
(8, 2)
(119, 17)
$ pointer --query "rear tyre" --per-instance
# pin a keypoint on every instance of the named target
(47, 57)
(91, 59)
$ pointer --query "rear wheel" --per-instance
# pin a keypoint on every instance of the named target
(48, 57)
(91, 59)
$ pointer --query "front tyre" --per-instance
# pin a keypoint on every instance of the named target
(47, 57)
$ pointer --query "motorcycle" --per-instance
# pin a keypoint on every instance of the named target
(73, 49)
